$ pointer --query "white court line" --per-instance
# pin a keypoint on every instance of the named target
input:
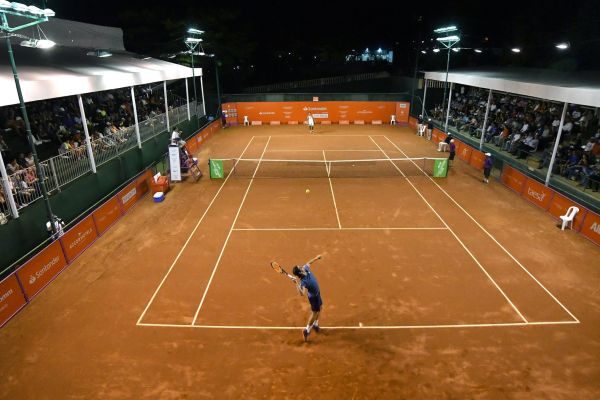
(493, 238)
(372, 327)
(315, 150)
(457, 238)
(337, 215)
(188, 239)
(341, 229)
(314, 135)
(229, 235)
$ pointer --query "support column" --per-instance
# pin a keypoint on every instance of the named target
(6, 185)
(424, 98)
(556, 143)
(135, 118)
(166, 106)
(487, 111)
(202, 91)
(448, 111)
(88, 143)
(187, 98)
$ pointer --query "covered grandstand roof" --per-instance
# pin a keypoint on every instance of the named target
(577, 88)
(65, 71)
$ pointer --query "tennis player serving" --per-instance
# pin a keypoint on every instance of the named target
(309, 286)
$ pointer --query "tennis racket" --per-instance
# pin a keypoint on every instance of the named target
(279, 268)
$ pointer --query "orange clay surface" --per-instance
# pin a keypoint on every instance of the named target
(432, 289)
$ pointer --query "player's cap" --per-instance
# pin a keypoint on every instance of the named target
(488, 154)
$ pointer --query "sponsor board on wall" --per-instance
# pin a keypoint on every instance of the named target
(128, 196)
(78, 238)
(537, 193)
(107, 214)
(513, 178)
(591, 227)
(41, 269)
(559, 206)
(11, 298)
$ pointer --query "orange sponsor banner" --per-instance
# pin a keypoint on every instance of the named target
(128, 196)
(192, 145)
(537, 193)
(513, 179)
(477, 159)
(11, 298)
(41, 269)
(463, 151)
(402, 111)
(591, 227)
(559, 206)
(327, 110)
(107, 214)
(143, 183)
(78, 238)
(412, 122)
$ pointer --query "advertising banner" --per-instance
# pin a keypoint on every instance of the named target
(11, 298)
(41, 269)
(78, 238)
(591, 227)
(477, 159)
(440, 168)
(216, 169)
(128, 196)
(559, 206)
(537, 193)
(513, 179)
(107, 214)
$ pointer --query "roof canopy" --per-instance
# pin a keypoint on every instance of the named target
(65, 71)
(577, 88)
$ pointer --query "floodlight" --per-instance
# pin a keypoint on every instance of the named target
(99, 53)
(192, 40)
(456, 49)
(49, 13)
(38, 43)
(172, 56)
(19, 7)
(195, 31)
(446, 29)
(515, 50)
(423, 51)
(379, 50)
(436, 50)
(477, 51)
(563, 46)
(448, 38)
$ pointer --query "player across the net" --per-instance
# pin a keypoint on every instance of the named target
(358, 168)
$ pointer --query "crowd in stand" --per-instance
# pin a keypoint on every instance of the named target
(527, 127)
(58, 122)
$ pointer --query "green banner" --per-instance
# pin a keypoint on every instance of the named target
(440, 168)
(216, 169)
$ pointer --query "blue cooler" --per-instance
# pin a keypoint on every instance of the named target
(159, 197)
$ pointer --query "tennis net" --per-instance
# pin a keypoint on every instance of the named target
(362, 168)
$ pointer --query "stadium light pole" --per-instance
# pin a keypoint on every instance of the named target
(448, 42)
(192, 42)
(28, 16)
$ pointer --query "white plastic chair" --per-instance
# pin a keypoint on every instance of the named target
(392, 120)
(568, 217)
(246, 122)
(422, 129)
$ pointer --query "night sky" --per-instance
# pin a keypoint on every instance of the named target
(256, 33)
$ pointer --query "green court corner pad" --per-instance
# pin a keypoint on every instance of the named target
(440, 168)
(216, 169)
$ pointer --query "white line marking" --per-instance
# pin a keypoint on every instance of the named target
(337, 215)
(314, 136)
(340, 229)
(319, 150)
(229, 235)
(456, 237)
(383, 327)
(188, 239)
(494, 239)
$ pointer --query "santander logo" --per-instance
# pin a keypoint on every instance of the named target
(536, 195)
(595, 227)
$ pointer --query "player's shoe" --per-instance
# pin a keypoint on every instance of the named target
(305, 334)
(317, 328)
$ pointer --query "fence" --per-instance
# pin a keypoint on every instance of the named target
(70, 165)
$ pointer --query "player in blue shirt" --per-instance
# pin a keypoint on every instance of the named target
(308, 285)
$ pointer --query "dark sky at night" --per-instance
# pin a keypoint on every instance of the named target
(253, 32)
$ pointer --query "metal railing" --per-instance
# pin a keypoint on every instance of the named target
(72, 164)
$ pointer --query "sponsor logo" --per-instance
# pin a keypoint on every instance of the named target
(536, 195)
(4, 307)
(365, 112)
(344, 106)
(6, 295)
(80, 238)
(287, 107)
(321, 115)
(595, 227)
(287, 113)
(402, 105)
(129, 195)
(266, 113)
(315, 108)
(43, 270)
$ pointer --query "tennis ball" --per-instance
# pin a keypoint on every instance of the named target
(307, 190)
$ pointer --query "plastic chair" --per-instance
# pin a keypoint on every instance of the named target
(246, 122)
(568, 217)
(392, 120)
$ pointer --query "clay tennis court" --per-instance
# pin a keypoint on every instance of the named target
(432, 287)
